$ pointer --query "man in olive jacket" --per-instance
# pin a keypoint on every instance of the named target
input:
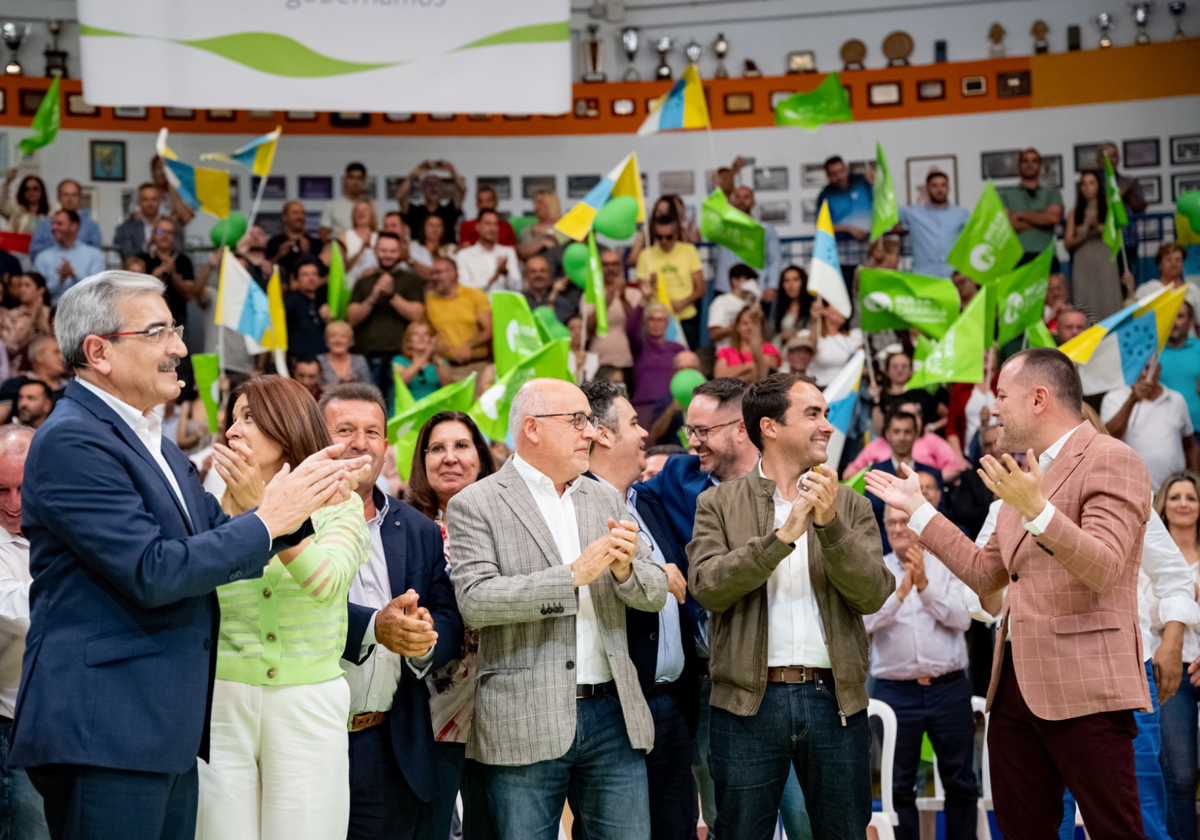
(788, 561)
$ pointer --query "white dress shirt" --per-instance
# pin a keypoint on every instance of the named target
(14, 615)
(477, 264)
(558, 512)
(794, 632)
(373, 683)
(670, 638)
(921, 636)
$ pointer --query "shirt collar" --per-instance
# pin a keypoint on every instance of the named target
(15, 539)
(381, 510)
(534, 478)
(137, 421)
(763, 476)
(1052, 451)
(630, 494)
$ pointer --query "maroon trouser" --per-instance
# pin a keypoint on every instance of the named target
(1034, 760)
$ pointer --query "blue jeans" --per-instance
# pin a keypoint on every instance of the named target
(944, 711)
(601, 771)
(796, 726)
(22, 815)
(1178, 758)
(1152, 792)
(704, 779)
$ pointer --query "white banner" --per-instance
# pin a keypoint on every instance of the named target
(462, 56)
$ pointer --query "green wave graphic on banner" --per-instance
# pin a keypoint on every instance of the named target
(279, 55)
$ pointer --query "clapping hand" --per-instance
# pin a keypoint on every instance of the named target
(901, 492)
(292, 495)
(819, 489)
(914, 565)
(237, 467)
(623, 547)
(405, 628)
(1018, 489)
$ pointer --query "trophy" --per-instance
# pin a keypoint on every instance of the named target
(750, 69)
(897, 47)
(720, 48)
(591, 56)
(630, 38)
(1141, 15)
(996, 35)
(1104, 22)
(14, 35)
(1040, 45)
(56, 59)
(852, 54)
(693, 51)
(663, 70)
(1177, 8)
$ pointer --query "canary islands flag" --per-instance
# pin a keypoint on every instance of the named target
(242, 305)
(624, 180)
(825, 272)
(201, 189)
(257, 155)
(682, 107)
(841, 394)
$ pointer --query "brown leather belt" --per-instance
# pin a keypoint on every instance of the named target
(366, 720)
(798, 674)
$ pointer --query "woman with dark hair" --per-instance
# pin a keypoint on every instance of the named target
(279, 761)
(792, 305)
(836, 341)
(1095, 280)
(747, 357)
(451, 454)
(31, 203)
(674, 263)
(26, 321)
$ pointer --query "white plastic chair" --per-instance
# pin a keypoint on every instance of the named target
(884, 821)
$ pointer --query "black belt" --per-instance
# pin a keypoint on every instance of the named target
(953, 676)
(4, 719)
(584, 691)
(658, 689)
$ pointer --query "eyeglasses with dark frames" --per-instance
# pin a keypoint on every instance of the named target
(578, 419)
(702, 432)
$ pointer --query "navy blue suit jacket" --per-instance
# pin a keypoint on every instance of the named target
(877, 506)
(416, 560)
(121, 652)
(676, 489)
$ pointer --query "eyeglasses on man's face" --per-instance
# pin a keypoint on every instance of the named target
(702, 432)
(578, 419)
(158, 334)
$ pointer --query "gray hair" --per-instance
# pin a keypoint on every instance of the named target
(530, 399)
(15, 438)
(90, 308)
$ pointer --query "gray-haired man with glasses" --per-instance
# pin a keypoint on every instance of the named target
(546, 564)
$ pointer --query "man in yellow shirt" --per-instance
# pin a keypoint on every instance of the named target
(462, 318)
(677, 265)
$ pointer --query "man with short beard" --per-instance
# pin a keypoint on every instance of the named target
(933, 226)
(485, 199)
(541, 290)
(487, 264)
(34, 403)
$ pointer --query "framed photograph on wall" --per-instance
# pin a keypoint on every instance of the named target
(314, 187)
(812, 175)
(77, 107)
(808, 211)
(1185, 149)
(275, 190)
(1140, 154)
(999, 165)
(679, 182)
(770, 178)
(1085, 156)
(28, 101)
(1182, 182)
(235, 193)
(1151, 186)
(179, 114)
(774, 212)
(349, 119)
(580, 185)
(500, 184)
(1052, 172)
(301, 116)
(918, 168)
(531, 185)
(108, 160)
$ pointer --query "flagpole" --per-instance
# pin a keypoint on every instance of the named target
(262, 185)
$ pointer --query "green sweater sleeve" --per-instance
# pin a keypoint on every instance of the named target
(340, 544)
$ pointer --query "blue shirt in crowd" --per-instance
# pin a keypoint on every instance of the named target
(89, 234)
(932, 232)
(84, 259)
(851, 206)
(1181, 371)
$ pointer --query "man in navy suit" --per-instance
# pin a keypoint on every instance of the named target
(901, 430)
(126, 550)
(662, 645)
(403, 624)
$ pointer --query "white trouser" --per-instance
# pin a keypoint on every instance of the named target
(279, 766)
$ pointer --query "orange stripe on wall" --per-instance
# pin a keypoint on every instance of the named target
(1117, 74)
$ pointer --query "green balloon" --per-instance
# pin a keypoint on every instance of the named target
(618, 218)
(575, 263)
(228, 231)
(683, 383)
(519, 223)
(1188, 206)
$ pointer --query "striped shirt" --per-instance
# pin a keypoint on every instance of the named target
(289, 626)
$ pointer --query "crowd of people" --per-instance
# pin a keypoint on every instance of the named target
(648, 633)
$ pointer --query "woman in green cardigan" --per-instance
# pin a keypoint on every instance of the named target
(278, 768)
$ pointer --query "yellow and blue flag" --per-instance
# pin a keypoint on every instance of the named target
(257, 155)
(243, 306)
(1113, 353)
(825, 278)
(624, 180)
(841, 395)
(201, 189)
(682, 107)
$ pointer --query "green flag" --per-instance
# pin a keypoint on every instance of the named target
(829, 102)
(1021, 296)
(1038, 335)
(858, 481)
(594, 287)
(549, 327)
(339, 288)
(519, 223)
(45, 122)
(403, 428)
(884, 211)
(514, 330)
(490, 411)
(207, 368)
(988, 247)
(404, 398)
(959, 356)
(726, 225)
(989, 320)
(895, 300)
(1115, 217)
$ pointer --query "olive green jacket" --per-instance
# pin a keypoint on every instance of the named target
(733, 552)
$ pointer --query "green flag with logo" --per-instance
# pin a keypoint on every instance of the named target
(403, 428)
(726, 225)
(593, 289)
(339, 285)
(988, 247)
(1021, 296)
(885, 214)
(895, 300)
(207, 368)
(828, 102)
(514, 330)
(1038, 335)
(958, 357)
(45, 121)
(1115, 218)
(490, 411)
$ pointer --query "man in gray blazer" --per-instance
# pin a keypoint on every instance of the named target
(545, 566)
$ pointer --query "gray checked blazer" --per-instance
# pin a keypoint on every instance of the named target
(512, 585)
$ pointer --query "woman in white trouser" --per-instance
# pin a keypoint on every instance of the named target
(278, 765)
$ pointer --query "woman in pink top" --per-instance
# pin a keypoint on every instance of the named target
(747, 357)
(929, 448)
